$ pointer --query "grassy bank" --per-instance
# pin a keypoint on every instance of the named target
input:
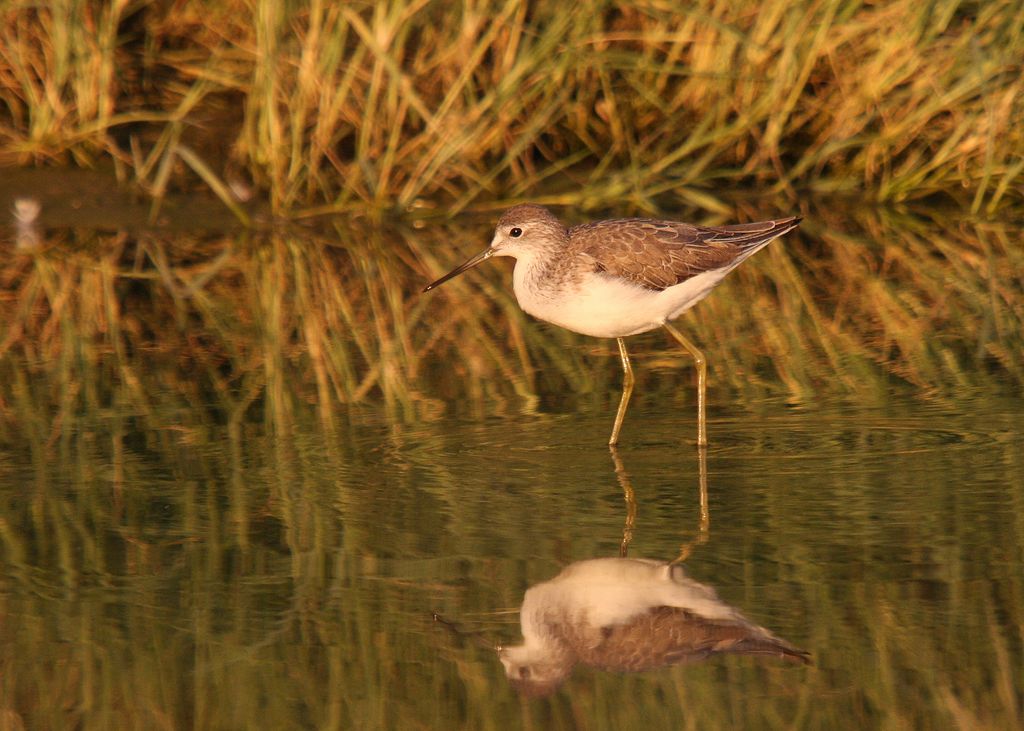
(418, 106)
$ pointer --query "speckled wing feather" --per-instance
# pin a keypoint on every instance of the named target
(659, 254)
(670, 635)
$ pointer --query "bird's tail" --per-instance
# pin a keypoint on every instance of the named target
(752, 236)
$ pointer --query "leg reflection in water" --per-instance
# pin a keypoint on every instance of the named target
(629, 495)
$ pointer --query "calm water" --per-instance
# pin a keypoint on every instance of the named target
(203, 523)
(289, 581)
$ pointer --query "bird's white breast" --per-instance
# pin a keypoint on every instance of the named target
(602, 305)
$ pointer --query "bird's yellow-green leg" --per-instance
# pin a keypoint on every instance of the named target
(627, 391)
(702, 383)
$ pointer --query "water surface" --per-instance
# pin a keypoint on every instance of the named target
(150, 574)
(234, 495)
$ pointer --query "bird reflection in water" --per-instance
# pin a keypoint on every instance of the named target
(627, 615)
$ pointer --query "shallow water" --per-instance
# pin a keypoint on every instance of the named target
(204, 525)
(297, 574)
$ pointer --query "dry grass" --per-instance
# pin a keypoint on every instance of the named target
(412, 105)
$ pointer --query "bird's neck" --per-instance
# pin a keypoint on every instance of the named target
(534, 277)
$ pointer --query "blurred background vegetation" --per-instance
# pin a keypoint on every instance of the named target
(412, 106)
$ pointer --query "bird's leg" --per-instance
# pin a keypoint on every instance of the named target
(702, 383)
(627, 391)
(704, 527)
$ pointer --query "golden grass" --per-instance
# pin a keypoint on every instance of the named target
(411, 106)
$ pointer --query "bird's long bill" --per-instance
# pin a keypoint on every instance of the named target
(482, 256)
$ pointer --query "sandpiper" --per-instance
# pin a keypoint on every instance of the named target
(621, 277)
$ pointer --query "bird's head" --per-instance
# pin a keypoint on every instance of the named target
(523, 230)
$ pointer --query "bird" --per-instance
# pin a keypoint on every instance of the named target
(627, 615)
(620, 277)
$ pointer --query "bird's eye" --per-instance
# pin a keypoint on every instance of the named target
(515, 232)
(524, 672)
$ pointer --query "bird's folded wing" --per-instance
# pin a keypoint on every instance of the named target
(660, 254)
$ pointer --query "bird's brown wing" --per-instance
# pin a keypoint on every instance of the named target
(659, 254)
(670, 635)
